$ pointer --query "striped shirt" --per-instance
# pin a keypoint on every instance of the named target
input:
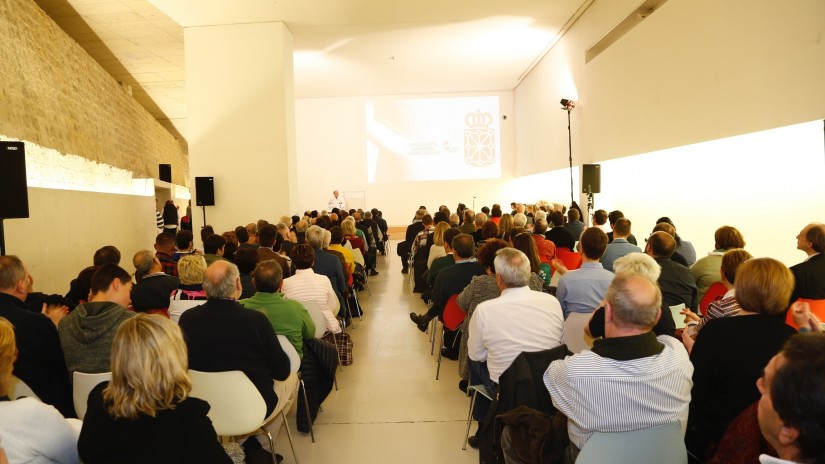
(306, 285)
(601, 394)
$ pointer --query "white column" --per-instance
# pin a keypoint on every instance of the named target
(241, 122)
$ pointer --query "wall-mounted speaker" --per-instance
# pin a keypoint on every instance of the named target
(592, 176)
(165, 172)
(204, 191)
(14, 194)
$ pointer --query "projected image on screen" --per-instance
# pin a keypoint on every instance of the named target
(432, 139)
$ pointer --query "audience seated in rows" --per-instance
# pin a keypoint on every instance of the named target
(535, 316)
(705, 271)
(130, 420)
(730, 352)
(40, 362)
(86, 333)
(306, 285)
(32, 431)
(619, 246)
(222, 335)
(152, 290)
(190, 293)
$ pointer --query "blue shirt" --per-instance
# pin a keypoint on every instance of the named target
(615, 250)
(582, 290)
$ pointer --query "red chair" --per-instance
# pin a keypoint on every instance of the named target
(572, 260)
(817, 309)
(451, 319)
(716, 290)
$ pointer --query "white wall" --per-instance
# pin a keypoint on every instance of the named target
(692, 71)
(331, 144)
(66, 227)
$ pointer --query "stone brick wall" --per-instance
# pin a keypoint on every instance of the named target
(54, 94)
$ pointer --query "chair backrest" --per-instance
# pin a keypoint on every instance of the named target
(82, 385)
(817, 309)
(651, 445)
(317, 317)
(716, 290)
(235, 405)
(453, 314)
(571, 259)
(678, 317)
(19, 389)
(357, 256)
(574, 336)
(291, 353)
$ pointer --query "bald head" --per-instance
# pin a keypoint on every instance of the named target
(634, 301)
(222, 280)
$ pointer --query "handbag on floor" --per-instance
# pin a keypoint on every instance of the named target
(343, 343)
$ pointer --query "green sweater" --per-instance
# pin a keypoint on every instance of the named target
(288, 317)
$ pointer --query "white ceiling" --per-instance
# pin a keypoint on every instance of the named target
(341, 47)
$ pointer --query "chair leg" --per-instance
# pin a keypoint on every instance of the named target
(360, 313)
(337, 353)
(271, 444)
(440, 347)
(289, 436)
(435, 329)
(469, 419)
(306, 407)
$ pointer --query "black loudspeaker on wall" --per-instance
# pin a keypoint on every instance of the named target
(14, 196)
(165, 172)
(592, 176)
(205, 191)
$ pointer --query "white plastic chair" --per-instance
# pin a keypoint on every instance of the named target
(236, 407)
(664, 443)
(294, 367)
(574, 336)
(19, 389)
(82, 385)
(317, 317)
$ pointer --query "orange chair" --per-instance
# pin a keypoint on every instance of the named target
(451, 319)
(716, 290)
(817, 309)
(572, 260)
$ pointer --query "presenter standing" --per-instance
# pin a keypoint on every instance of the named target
(336, 202)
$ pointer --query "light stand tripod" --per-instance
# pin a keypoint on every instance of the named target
(568, 106)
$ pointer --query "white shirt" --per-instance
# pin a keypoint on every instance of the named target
(519, 320)
(599, 394)
(306, 285)
(37, 433)
(336, 203)
(765, 459)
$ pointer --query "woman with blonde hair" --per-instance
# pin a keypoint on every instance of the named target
(145, 414)
(31, 431)
(437, 250)
(190, 293)
(505, 224)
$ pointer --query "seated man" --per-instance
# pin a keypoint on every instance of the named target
(646, 378)
(288, 317)
(558, 234)
(246, 258)
(183, 245)
(535, 316)
(244, 239)
(306, 285)
(86, 333)
(574, 225)
(582, 290)
(213, 248)
(40, 363)
(478, 223)
(421, 252)
(792, 405)
(154, 287)
(164, 248)
(809, 275)
(267, 239)
(619, 245)
(79, 287)
(612, 218)
(675, 281)
(222, 335)
(452, 280)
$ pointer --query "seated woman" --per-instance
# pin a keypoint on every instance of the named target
(130, 420)
(30, 430)
(727, 306)
(348, 226)
(505, 224)
(437, 250)
(306, 285)
(481, 289)
(706, 270)
(730, 352)
(191, 269)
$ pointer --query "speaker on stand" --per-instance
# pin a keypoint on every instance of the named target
(204, 193)
(591, 183)
(14, 193)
